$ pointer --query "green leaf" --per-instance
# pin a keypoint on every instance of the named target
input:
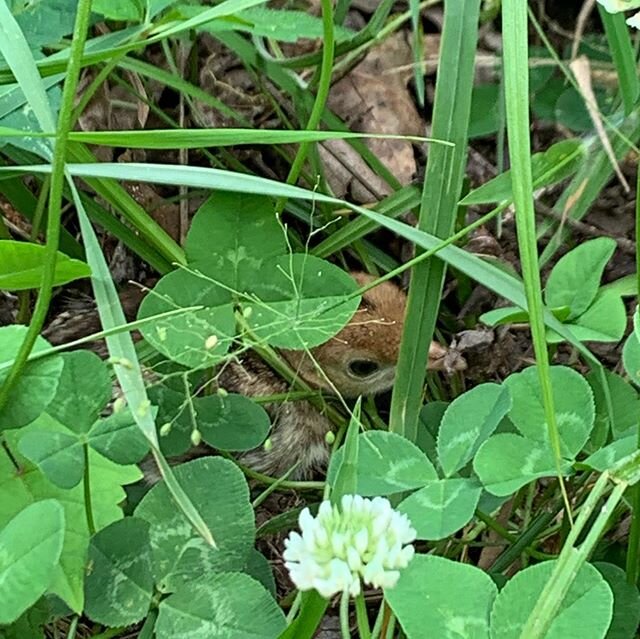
(259, 568)
(587, 605)
(437, 597)
(606, 457)
(604, 321)
(231, 422)
(119, 583)
(575, 279)
(118, 438)
(558, 162)
(126, 10)
(37, 384)
(285, 26)
(303, 301)
(18, 489)
(468, 422)
(625, 404)
(346, 474)
(58, 455)
(44, 21)
(218, 490)
(231, 237)
(387, 463)
(573, 402)
(83, 391)
(631, 358)
(199, 338)
(227, 605)
(626, 602)
(442, 507)
(507, 462)
(30, 545)
(21, 266)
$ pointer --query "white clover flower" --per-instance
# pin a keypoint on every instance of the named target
(615, 6)
(363, 539)
(634, 21)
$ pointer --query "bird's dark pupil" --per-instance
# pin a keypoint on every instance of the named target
(363, 367)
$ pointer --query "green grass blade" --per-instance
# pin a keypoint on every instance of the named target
(516, 68)
(623, 56)
(442, 186)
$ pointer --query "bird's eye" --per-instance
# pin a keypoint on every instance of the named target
(363, 367)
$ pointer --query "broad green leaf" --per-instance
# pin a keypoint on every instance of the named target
(30, 625)
(125, 10)
(30, 547)
(573, 402)
(625, 403)
(604, 321)
(387, 463)
(286, 26)
(21, 266)
(468, 422)
(631, 358)
(437, 597)
(626, 602)
(118, 438)
(303, 301)
(507, 462)
(558, 162)
(229, 422)
(199, 338)
(232, 235)
(83, 391)
(575, 279)
(585, 611)
(44, 21)
(513, 315)
(226, 606)
(606, 457)
(29, 485)
(119, 583)
(430, 419)
(259, 568)
(218, 489)
(37, 384)
(59, 456)
(442, 507)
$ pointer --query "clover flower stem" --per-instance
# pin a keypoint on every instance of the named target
(344, 615)
(295, 606)
(380, 617)
(361, 616)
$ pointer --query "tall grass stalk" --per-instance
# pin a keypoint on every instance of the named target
(441, 192)
(516, 69)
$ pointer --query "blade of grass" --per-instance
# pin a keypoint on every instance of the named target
(442, 187)
(126, 364)
(633, 547)
(516, 68)
(623, 56)
(16, 52)
(491, 276)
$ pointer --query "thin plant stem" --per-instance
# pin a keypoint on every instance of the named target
(344, 615)
(633, 548)
(73, 627)
(88, 505)
(324, 84)
(55, 199)
(377, 626)
(361, 617)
